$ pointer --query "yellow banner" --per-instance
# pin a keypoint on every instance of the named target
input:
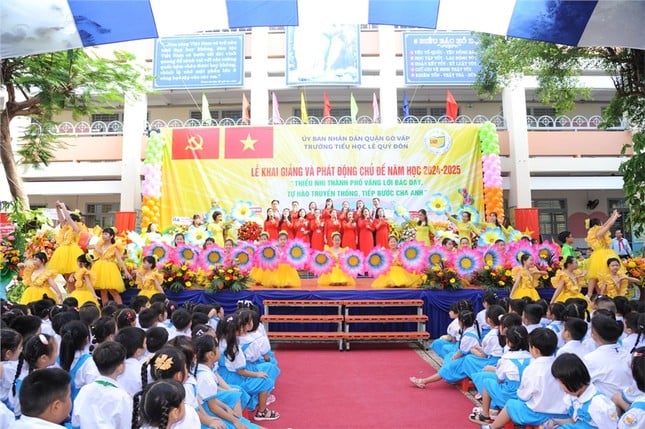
(402, 165)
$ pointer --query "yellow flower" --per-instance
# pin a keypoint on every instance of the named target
(631, 264)
(501, 283)
(184, 267)
(452, 280)
(507, 273)
(487, 267)
(188, 284)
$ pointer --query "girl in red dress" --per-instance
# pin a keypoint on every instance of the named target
(332, 225)
(326, 213)
(271, 225)
(349, 231)
(317, 228)
(285, 224)
(365, 232)
(382, 228)
(301, 226)
(312, 208)
(342, 214)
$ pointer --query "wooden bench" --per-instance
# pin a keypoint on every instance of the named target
(342, 319)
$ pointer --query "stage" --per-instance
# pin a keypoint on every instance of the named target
(436, 302)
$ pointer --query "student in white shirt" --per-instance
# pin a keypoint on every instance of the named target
(45, 399)
(447, 344)
(540, 397)
(181, 324)
(489, 298)
(531, 317)
(11, 347)
(162, 405)
(7, 418)
(75, 356)
(587, 407)
(557, 314)
(134, 342)
(608, 364)
(634, 335)
(491, 349)
(104, 404)
(572, 334)
(634, 416)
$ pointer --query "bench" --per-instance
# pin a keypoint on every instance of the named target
(340, 322)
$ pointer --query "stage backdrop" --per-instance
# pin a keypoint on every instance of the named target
(403, 165)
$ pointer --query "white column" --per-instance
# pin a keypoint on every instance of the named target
(134, 125)
(259, 76)
(387, 98)
(514, 106)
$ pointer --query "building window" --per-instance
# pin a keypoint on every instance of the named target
(552, 216)
(419, 112)
(541, 111)
(621, 223)
(101, 214)
(198, 114)
(232, 114)
(318, 113)
(105, 117)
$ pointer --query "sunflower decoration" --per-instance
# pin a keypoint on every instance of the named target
(186, 254)
(158, 250)
(491, 257)
(516, 250)
(490, 237)
(474, 213)
(378, 261)
(212, 257)
(439, 204)
(247, 247)
(401, 214)
(266, 257)
(467, 262)
(297, 254)
(437, 256)
(321, 263)
(243, 259)
(413, 256)
(242, 211)
(351, 262)
(197, 236)
(548, 253)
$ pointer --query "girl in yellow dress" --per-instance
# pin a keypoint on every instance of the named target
(525, 278)
(63, 260)
(149, 280)
(599, 239)
(84, 280)
(568, 281)
(424, 228)
(465, 226)
(39, 280)
(614, 283)
(216, 228)
(258, 274)
(285, 275)
(108, 260)
(336, 277)
(396, 276)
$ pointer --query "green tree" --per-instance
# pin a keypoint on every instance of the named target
(42, 86)
(557, 68)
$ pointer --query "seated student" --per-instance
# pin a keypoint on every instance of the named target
(489, 298)
(451, 369)
(42, 309)
(516, 306)
(573, 333)
(162, 406)
(45, 399)
(634, 334)
(156, 338)
(497, 384)
(539, 397)
(531, 317)
(104, 404)
(102, 330)
(557, 314)
(181, 324)
(134, 342)
(447, 344)
(74, 355)
(491, 349)
(11, 345)
(608, 363)
(7, 418)
(148, 318)
(255, 343)
(587, 407)
(634, 416)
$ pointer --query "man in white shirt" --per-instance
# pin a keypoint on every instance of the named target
(45, 399)
(104, 404)
(620, 245)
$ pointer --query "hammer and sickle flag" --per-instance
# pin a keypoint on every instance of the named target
(195, 143)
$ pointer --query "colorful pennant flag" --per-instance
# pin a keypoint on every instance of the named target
(406, 105)
(276, 110)
(353, 107)
(303, 109)
(206, 112)
(246, 109)
(326, 107)
(376, 114)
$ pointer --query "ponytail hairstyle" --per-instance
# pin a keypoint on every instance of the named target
(157, 401)
(517, 338)
(494, 313)
(468, 319)
(203, 345)
(111, 233)
(576, 308)
(559, 311)
(126, 318)
(230, 336)
(101, 330)
(74, 337)
(85, 260)
(10, 341)
(165, 364)
(505, 323)
(184, 345)
(636, 322)
(35, 347)
(201, 330)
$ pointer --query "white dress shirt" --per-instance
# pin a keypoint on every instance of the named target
(539, 389)
(609, 368)
(103, 404)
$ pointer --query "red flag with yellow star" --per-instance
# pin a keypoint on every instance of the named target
(248, 142)
(195, 143)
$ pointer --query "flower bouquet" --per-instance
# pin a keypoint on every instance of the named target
(178, 277)
(249, 231)
(229, 277)
(494, 277)
(442, 278)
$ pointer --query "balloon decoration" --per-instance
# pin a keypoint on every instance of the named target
(151, 186)
(492, 169)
